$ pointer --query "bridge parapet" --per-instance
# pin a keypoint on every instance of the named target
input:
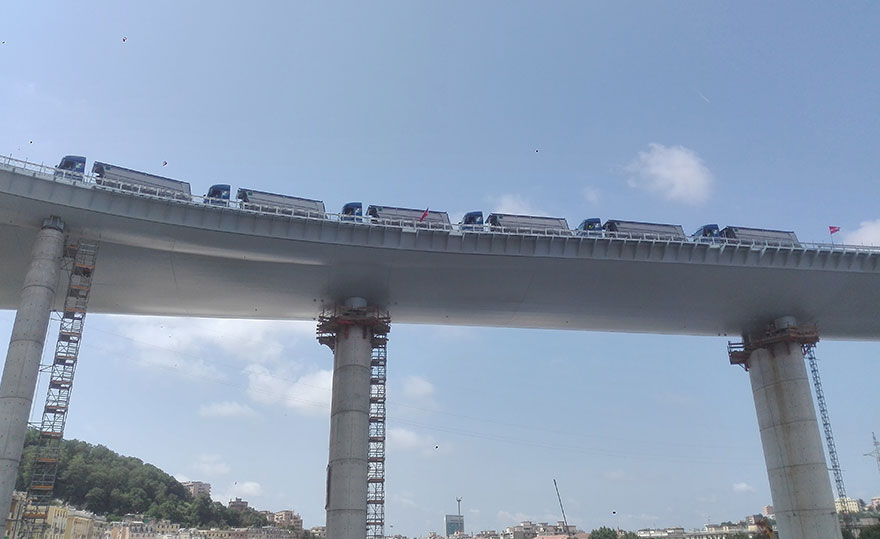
(90, 181)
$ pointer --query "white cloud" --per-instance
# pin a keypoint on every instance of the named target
(868, 233)
(401, 438)
(513, 518)
(181, 478)
(674, 172)
(514, 204)
(406, 440)
(618, 475)
(591, 195)
(212, 465)
(743, 487)
(226, 409)
(417, 387)
(308, 394)
(248, 488)
(405, 498)
(245, 490)
(182, 341)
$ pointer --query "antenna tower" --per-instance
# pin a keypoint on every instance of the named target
(876, 452)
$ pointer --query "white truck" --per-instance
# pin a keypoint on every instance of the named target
(141, 182)
(527, 224)
(251, 199)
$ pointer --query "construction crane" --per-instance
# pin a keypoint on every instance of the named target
(810, 354)
(564, 520)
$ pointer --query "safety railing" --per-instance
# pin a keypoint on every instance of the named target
(91, 181)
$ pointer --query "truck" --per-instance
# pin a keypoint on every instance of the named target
(262, 201)
(472, 221)
(741, 234)
(707, 233)
(638, 229)
(590, 227)
(132, 180)
(71, 167)
(390, 215)
(507, 222)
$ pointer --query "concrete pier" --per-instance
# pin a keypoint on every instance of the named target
(796, 466)
(25, 350)
(349, 331)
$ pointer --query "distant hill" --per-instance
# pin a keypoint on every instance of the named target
(104, 482)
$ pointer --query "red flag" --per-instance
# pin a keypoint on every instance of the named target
(422, 218)
(833, 229)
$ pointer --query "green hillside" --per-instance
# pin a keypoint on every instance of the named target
(99, 480)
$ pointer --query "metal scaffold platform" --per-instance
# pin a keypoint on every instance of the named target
(80, 262)
(376, 455)
(739, 352)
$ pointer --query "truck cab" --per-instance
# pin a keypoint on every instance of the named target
(71, 166)
(707, 233)
(472, 221)
(353, 211)
(218, 194)
(590, 227)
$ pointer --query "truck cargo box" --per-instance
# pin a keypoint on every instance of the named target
(251, 199)
(647, 230)
(524, 224)
(132, 180)
(407, 216)
(759, 236)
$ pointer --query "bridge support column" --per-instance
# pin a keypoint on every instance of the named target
(796, 467)
(22, 366)
(350, 331)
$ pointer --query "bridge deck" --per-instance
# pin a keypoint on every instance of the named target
(170, 257)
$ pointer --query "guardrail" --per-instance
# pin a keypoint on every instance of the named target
(91, 181)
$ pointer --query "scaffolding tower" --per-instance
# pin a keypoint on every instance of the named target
(376, 453)
(80, 262)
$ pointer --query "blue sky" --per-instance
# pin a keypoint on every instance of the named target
(688, 112)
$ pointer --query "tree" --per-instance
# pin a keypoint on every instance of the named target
(603, 533)
(871, 532)
(628, 535)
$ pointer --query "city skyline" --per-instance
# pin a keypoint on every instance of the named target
(692, 113)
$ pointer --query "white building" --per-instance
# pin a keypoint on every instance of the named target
(847, 505)
(197, 488)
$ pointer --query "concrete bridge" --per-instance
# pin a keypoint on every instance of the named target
(164, 256)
